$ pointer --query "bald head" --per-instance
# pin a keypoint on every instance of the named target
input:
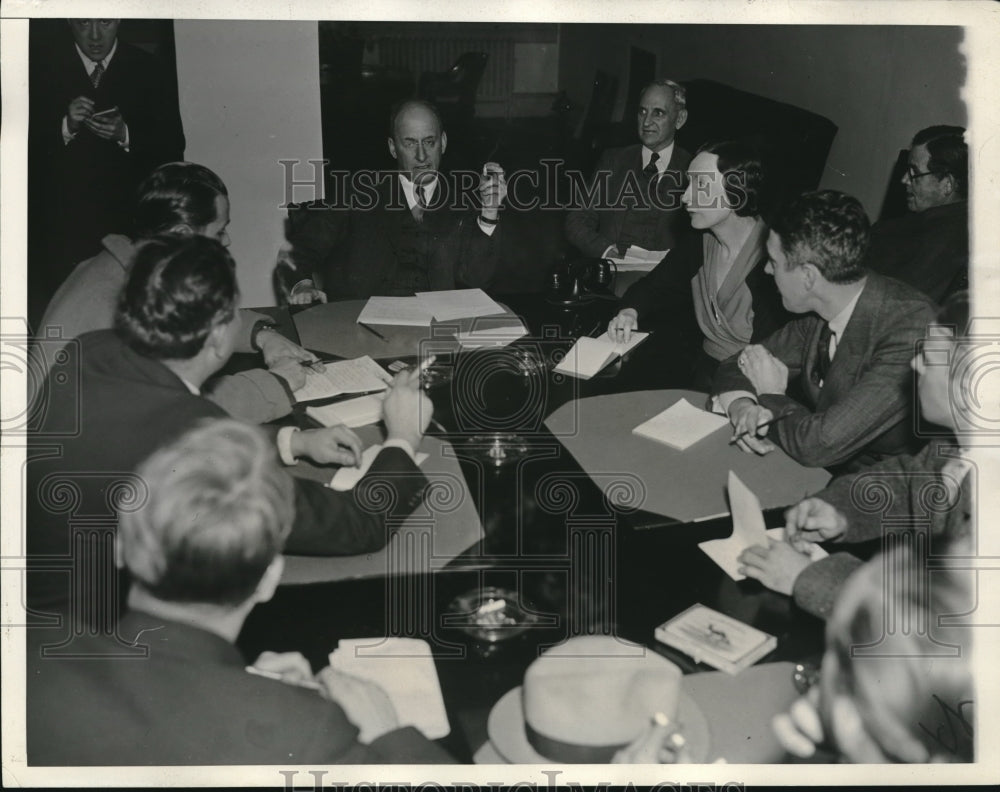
(418, 140)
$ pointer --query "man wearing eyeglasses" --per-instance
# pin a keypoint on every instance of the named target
(416, 229)
(929, 247)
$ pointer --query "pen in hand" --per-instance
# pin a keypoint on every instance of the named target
(757, 428)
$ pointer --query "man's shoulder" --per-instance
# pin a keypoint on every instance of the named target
(622, 156)
(891, 296)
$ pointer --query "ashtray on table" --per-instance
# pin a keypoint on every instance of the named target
(489, 614)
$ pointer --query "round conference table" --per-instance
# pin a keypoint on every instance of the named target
(580, 560)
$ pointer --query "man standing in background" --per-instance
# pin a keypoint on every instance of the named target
(102, 118)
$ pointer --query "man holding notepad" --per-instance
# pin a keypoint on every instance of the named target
(831, 388)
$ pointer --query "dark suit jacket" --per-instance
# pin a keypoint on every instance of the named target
(128, 406)
(591, 228)
(189, 702)
(899, 492)
(863, 412)
(86, 188)
(928, 250)
(354, 252)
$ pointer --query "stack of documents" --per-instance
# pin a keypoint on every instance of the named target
(681, 425)
(422, 309)
(589, 355)
(492, 336)
(716, 639)
(404, 669)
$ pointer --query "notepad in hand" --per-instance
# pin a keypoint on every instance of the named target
(715, 639)
(748, 530)
(353, 412)
(589, 355)
(405, 670)
(681, 425)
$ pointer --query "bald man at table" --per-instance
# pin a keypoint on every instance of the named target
(413, 229)
(833, 387)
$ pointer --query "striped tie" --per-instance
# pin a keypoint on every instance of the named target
(97, 74)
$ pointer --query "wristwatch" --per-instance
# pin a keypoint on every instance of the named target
(258, 326)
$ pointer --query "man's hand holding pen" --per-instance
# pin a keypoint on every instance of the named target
(750, 424)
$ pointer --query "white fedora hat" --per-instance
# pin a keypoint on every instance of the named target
(585, 699)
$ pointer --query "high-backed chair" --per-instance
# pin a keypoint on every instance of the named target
(454, 91)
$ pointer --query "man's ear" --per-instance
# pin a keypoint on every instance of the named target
(810, 276)
(444, 141)
(949, 185)
(216, 338)
(392, 148)
(682, 117)
(269, 580)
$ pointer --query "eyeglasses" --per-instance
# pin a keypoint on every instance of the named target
(912, 174)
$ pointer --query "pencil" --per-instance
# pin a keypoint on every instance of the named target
(312, 684)
(373, 331)
(741, 435)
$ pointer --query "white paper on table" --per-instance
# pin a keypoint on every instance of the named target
(407, 311)
(681, 425)
(404, 669)
(343, 376)
(589, 355)
(492, 336)
(347, 477)
(637, 259)
(459, 304)
(748, 530)
(353, 412)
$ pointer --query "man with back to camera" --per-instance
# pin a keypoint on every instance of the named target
(405, 233)
(656, 163)
(836, 381)
(190, 700)
(929, 247)
(181, 198)
(140, 387)
(102, 118)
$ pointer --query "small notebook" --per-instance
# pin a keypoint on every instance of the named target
(343, 376)
(347, 477)
(681, 425)
(748, 530)
(408, 311)
(405, 670)
(589, 355)
(715, 639)
(353, 412)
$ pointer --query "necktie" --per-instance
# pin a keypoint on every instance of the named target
(650, 170)
(97, 74)
(418, 208)
(823, 359)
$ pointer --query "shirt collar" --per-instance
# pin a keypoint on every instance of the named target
(839, 323)
(89, 64)
(195, 391)
(408, 188)
(663, 161)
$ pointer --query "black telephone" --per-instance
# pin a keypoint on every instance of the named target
(583, 281)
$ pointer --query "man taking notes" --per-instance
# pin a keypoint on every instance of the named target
(835, 382)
